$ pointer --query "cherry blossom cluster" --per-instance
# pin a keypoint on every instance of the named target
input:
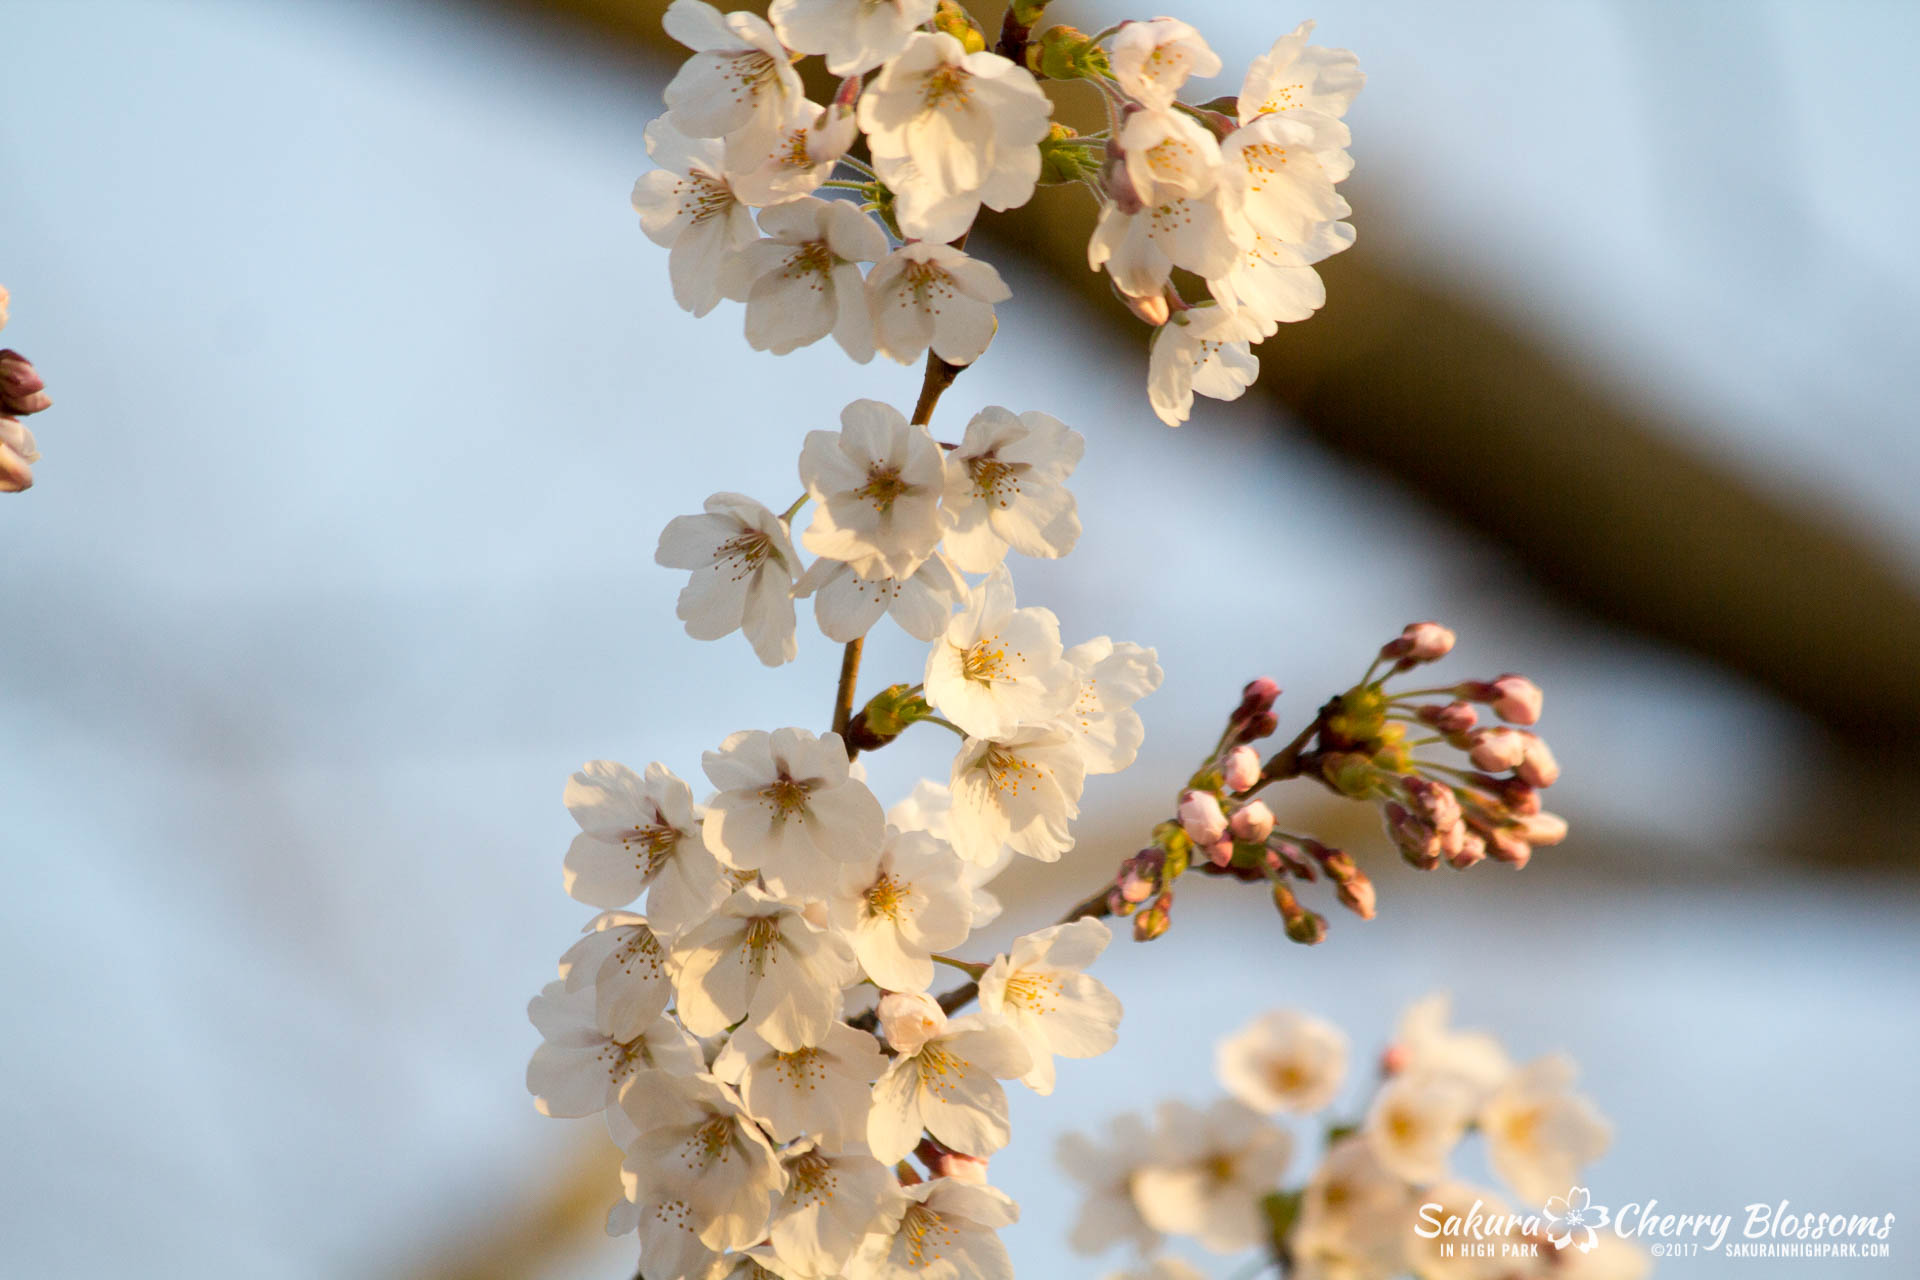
(847, 218)
(1219, 1175)
(1361, 745)
(766, 1125)
(22, 393)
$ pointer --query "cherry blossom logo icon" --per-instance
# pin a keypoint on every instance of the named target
(1574, 1217)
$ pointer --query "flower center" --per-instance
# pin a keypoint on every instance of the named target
(657, 843)
(812, 1179)
(886, 896)
(948, 86)
(927, 1233)
(1221, 1168)
(1286, 1077)
(1010, 772)
(814, 258)
(995, 481)
(713, 1136)
(985, 661)
(883, 486)
(787, 798)
(1035, 991)
(762, 941)
(744, 553)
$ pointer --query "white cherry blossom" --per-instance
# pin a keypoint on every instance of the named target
(1273, 283)
(846, 603)
(1007, 487)
(739, 79)
(818, 1091)
(1278, 176)
(1112, 677)
(1296, 76)
(579, 1069)
(943, 1229)
(622, 961)
(832, 1199)
(950, 131)
(743, 569)
(640, 835)
(855, 35)
(1416, 1120)
(799, 158)
(790, 808)
(1540, 1133)
(1424, 1043)
(1355, 1217)
(1169, 156)
(759, 958)
(1283, 1061)
(1000, 668)
(700, 1167)
(688, 207)
(930, 294)
(928, 808)
(876, 485)
(1152, 60)
(948, 1086)
(803, 282)
(1022, 790)
(901, 907)
(1111, 1212)
(1205, 349)
(1210, 1172)
(1041, 990)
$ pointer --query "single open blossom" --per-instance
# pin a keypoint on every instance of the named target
(927, 294)
(743, 568)
(739, 79)
(579, 1069)
(1203, 349)
(758, 958)
(1111, 1212)
(1210, 1171)
(948, 1085)
(928, 808)
(876, 486)
(1283, 1061)
(943, 1229)
(950, 131)
(803, 282)
(1022, 790)
(700, 1165)
(1000, 668)
(1354, 1216)
(1296, 76)
(1007, 487)
(640, 835)
(817, 1091)
(1423, 1042)
(799, 158)
(1279, 172)
(624, 964)
(688, 207)
(1540, 1133)
(1139, 244)
(846, 602)
(1112, 676)
(855, 35)
(832, 1199)
(902, 907)
(1273, 282)
(789, 808)
(1152, 60)
(1041, 990)
(1169, 156)
(1415, 1122)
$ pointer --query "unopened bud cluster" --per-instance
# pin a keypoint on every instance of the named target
(22, 393)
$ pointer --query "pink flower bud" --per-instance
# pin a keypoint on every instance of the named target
(1517, 796)
(1356, 895)
(17, 456)
(22, 390)
(1433, 801)
(1119, 186)
(1252, 822)
(1497, 749)
(1516, 699)
(1538, 768)
(1241, 768)
(1260, 694)
(1220, 853)
(1419, 642)
(1508, 845)
(1419, 843)
(1151, 308)
(909, 1019)
(1155, 920)
(1394, 1060)
(1455, 717)
(1133, 886)
(1201, 819)
(1543, 828)
(1468, 850)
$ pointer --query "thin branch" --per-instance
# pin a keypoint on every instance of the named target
(843, 696)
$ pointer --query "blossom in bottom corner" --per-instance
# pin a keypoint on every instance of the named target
(1355, 1217)
(832, 1199)
(1205, 349)
(1540, 1133)
(1210, 1172)
(941, 1230)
